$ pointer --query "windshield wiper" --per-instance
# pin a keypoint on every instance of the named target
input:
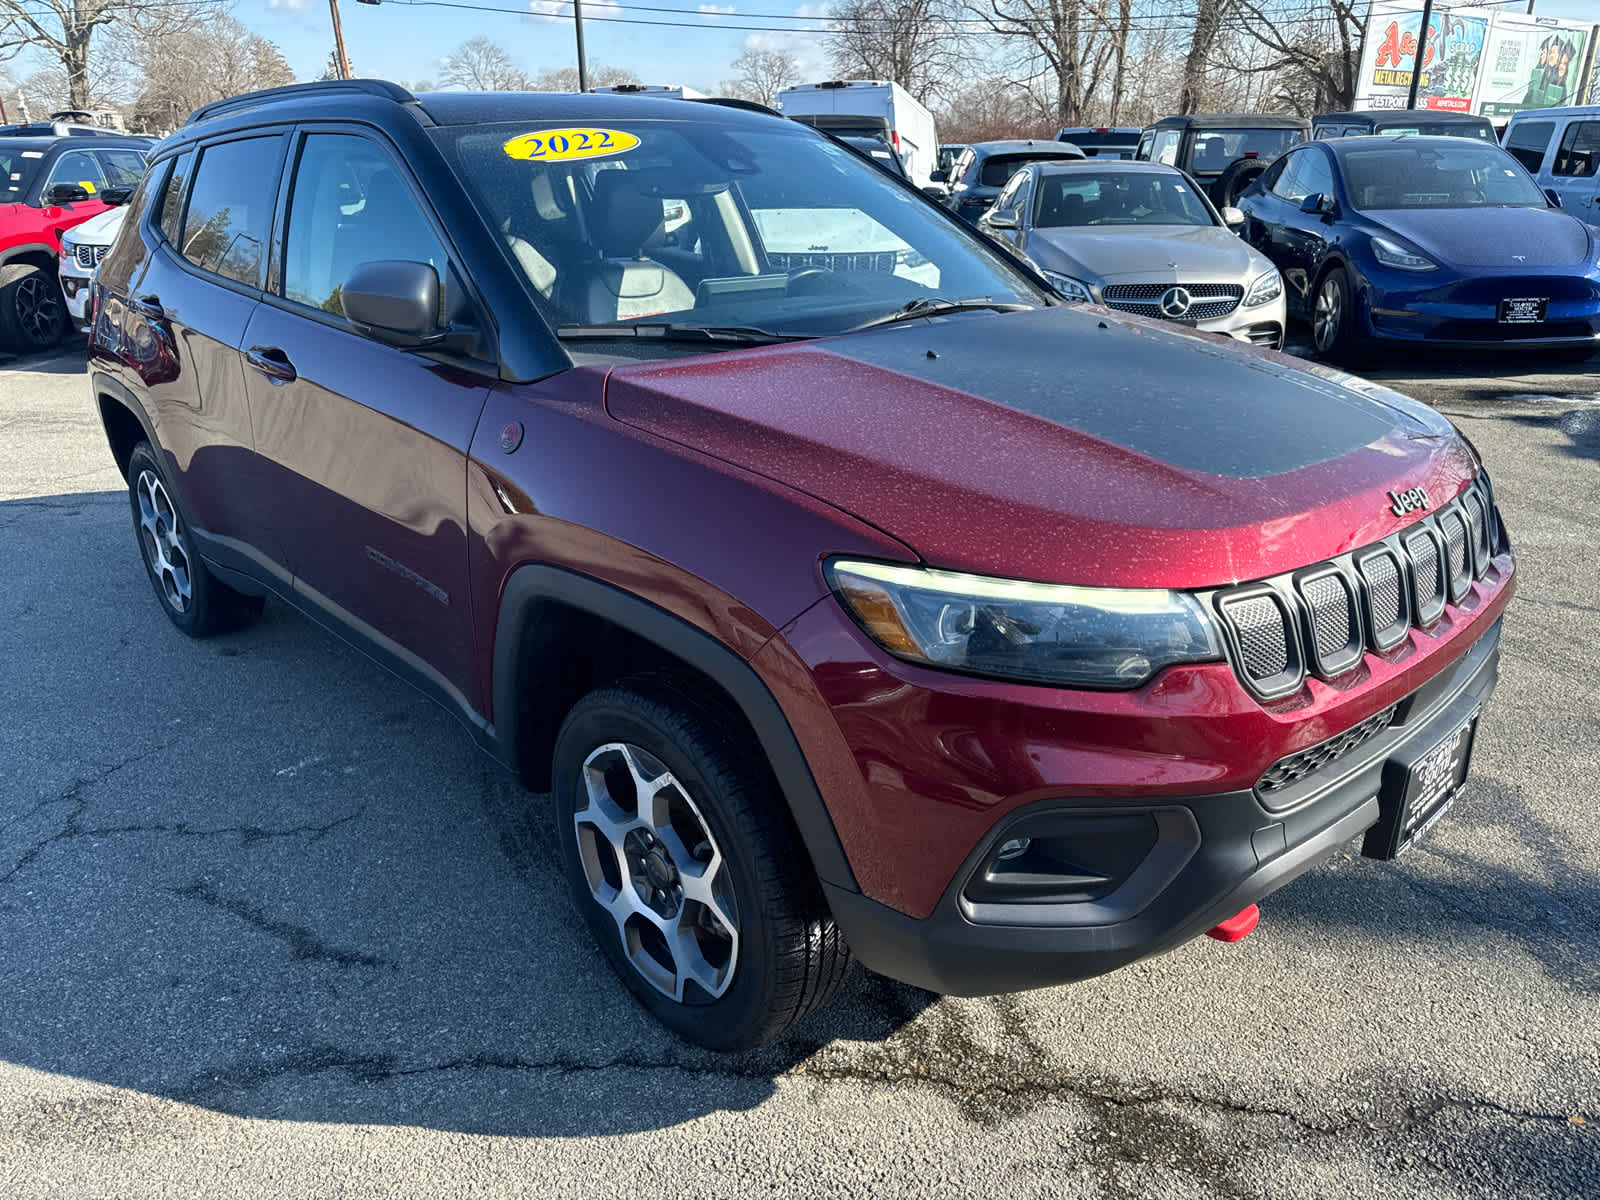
(674, 331)
(936, 306)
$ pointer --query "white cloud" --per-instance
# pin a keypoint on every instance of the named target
(291, 5)
(716, 10)
(810, 52)
(593, 10)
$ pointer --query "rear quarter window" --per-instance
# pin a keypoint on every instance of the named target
(1528, 140)
(171, 221)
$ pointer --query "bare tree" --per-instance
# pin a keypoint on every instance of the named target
(1067, 42)
(916, 43)
(65, 30)
(1209, 18)
(205, 60)
(991, 109)
(1315, 55)
(762, 74)
(565, 79)
(480, 65)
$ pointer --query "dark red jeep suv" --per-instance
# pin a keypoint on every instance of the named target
(852, 596)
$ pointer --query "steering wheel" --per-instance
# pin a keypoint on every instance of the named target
(801, 276)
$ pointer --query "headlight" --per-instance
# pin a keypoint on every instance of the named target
(1072, 289)
(1264, 288)
(1391, 255)
(1086, 637)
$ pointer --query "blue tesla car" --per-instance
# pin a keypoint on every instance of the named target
(1425, 239)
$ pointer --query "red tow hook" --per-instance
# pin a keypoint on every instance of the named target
(1237, 927)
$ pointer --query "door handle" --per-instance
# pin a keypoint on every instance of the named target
(271, 362)
(149, 306)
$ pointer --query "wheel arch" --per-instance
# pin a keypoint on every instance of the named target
(560, 634)
(125, 424)
(34, 254)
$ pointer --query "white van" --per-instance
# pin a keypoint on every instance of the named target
(869, 108)
(669, 90)
(1561, 149)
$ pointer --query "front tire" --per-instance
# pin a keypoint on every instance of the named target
(196, 601)
(681, 857)
(1333, 319)
(33, 312)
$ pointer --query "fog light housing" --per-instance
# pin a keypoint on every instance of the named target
(1063, 858)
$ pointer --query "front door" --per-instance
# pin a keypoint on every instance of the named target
(369, 443)
(1575, 171)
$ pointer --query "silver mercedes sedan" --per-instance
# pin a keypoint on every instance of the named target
(1141, 238)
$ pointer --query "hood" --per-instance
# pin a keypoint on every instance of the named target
(99, 230)
(1159, 253)
(1493, 237)
(1063, 445)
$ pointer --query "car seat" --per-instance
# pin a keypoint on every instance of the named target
(624, 283)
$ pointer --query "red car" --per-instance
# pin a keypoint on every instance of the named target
(851, 596)
(49, 182)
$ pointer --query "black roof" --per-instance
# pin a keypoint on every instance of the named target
(1340, 146)
(1433, 115)
(1232, 121)
(77, 141)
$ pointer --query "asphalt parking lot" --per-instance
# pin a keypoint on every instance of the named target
(269, 925)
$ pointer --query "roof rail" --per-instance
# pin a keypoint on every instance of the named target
(731, 102)
(368, 87)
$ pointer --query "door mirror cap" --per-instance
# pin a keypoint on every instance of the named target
(937, 175)
(116, 195)
(1001, 218)
(936, 192)
(66, 193)
(1317, 203)
(1553, 196)
(394, 302)
(1232, 217)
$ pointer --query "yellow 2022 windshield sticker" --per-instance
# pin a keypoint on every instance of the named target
(567, 145)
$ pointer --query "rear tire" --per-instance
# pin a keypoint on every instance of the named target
(33, 312)
(195, 600)
(681, 857)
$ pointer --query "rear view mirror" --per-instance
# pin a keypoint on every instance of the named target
(66, 193)
(394, 302)
(1232, 217)
(1553, 196)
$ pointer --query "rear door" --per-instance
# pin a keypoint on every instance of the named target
(368, 443)
(1575, 169)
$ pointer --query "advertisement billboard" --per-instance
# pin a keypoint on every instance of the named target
(1531, 62)
(1450, 60)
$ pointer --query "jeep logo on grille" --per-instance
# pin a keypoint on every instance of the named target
(1403, 502)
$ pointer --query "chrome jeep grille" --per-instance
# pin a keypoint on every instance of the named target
(881, 261)
(89, 257)
(1322, 619)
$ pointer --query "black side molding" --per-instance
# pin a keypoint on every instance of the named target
(529, 585)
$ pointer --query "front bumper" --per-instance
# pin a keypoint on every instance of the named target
(1212, 855)
(75, 288)
(1464, 310)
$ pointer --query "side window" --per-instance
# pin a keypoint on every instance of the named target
(1146, 140)
(1528, 140)
(962, 164)
(230, 209)
(1287, 185)
(1314, 176)
(172, 197)
(79, 167)
(1008, 197)
(349, 205)
(1269, 180)
(123, 168)
(1165, 147)
(1579, 154)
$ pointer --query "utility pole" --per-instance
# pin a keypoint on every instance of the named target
(341, 60)
(1416, 63)
(577, 22)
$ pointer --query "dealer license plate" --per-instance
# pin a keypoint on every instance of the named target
(1417, 793)
(1528, 310)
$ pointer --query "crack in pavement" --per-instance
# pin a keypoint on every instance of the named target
(304, 943)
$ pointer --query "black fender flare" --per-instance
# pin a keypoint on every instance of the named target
(24, 249)
(528, 585)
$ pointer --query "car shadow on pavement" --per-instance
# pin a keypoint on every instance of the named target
(69, 358)
(258, 874)
(1581, 426)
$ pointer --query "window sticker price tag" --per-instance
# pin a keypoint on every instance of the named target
(568, 145)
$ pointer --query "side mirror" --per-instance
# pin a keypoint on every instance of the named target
(394, 302)
(936, 192)
(1553, 196)
(116, 196)
(1001, 218)
(66, 193)
(1232, 217)
(937, 175)
(1317, 203)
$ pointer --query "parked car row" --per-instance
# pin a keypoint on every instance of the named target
(851, 596)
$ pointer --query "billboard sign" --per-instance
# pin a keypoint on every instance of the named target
(1450, 60)
(1531, 62)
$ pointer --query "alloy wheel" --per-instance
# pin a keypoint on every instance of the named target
(1329, 314)
(162, 538)
(652, 863)
(38, 301)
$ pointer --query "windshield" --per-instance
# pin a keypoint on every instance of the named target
(692, 222)
(1483, 133)
(18, 167)
(1118, 198)
(1215, 149)
(1464, 175)
(996, 170)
